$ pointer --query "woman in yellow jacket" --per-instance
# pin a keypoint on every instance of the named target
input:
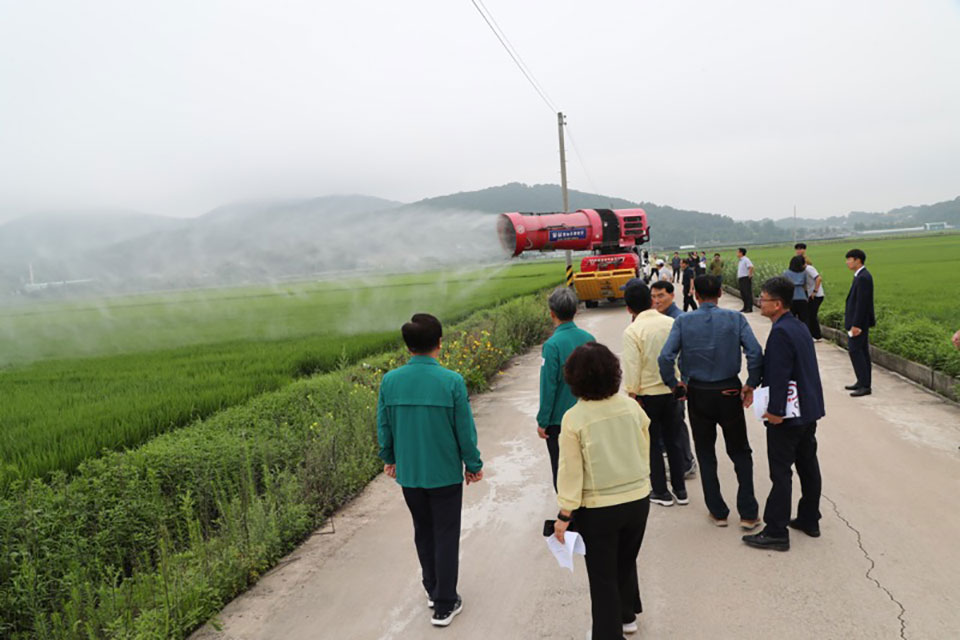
(604, 484)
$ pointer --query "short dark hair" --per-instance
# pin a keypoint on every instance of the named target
(663, 284)
(592, 371)
(797, 264)
(742, 250)
(684, 260)
(716, 255)
(779, 288)
(637, 297)
(422, 334)
(708, 287)
(800, 245)
(857, 254)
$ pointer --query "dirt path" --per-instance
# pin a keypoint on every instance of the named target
(887, 565)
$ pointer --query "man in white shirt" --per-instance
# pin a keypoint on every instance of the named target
(814, 289)
(745, 279)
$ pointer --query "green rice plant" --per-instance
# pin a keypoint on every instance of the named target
(150, 542)
(238, 344)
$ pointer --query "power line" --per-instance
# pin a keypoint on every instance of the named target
(573, 143)
(488, 18)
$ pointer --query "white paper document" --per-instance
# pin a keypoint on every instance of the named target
(563, 552)
(761, 399)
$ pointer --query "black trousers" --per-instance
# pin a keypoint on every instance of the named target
(688, 301)
(662, 411)
(801, 309)
(786, 447)
(813, 318)
(436, 532)
(746, 293)
(859, 349)
(683, 434)
(676, 274)
(709, 407)
(553, 448)
(613, 536)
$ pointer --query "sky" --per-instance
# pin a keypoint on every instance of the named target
(741, 107)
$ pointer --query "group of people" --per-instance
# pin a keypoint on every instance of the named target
(808, 296)
(607, 448)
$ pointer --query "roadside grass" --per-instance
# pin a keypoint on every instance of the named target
(915, 290)
(149, 543)
(238, 344)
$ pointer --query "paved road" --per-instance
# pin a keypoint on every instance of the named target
(887, 565)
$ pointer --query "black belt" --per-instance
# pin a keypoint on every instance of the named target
(717, 385)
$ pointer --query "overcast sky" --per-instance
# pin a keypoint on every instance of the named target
(742, 107)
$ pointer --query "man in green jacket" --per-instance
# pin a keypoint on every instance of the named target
(555, 394)
(427, 437)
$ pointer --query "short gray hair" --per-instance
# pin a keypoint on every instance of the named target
(563, 302)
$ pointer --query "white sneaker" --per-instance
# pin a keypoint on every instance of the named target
(630, 627)
(444, 619)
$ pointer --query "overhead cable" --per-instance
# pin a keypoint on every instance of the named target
(492, 23)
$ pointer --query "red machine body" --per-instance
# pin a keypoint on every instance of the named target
(610, 262)
(604, 231)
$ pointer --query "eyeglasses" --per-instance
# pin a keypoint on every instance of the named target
(762, 300)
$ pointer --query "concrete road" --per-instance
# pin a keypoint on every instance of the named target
(886, 566)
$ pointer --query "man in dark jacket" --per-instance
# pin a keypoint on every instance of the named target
(688, 277)
(789, 370)
(858, 317)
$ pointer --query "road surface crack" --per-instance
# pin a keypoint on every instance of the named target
(873, 565)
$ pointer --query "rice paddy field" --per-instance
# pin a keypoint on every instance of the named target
(915, 275)
(916, 289)
(80, 377)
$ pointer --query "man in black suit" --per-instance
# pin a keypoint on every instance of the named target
(688, 277)
(857, 320)
(789, 357)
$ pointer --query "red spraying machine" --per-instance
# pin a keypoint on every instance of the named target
(612, 235)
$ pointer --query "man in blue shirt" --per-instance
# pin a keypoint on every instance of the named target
(710, 340)
(790, 358)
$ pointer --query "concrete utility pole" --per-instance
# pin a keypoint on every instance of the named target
(563, 188)
(794, 224)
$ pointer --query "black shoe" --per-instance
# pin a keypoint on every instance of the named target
(444, 618)
(682, 497)
(813, 532)
(763, 541)
(665, 498)
(862, 391)
(852, 387)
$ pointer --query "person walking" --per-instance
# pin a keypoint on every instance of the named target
(797, 274)
(710, 341)
(642, 342)
(815, 297)
(858, 317)
(745, 279)
(604, 486)
(675, 265)
(427, 437)
(555, 395)
(662, 296)
(789, 366)
(688, 277)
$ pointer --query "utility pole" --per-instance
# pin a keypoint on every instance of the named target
(563, 188)
(794, 224)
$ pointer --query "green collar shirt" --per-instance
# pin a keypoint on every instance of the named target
(425, 425)
(555, 395)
